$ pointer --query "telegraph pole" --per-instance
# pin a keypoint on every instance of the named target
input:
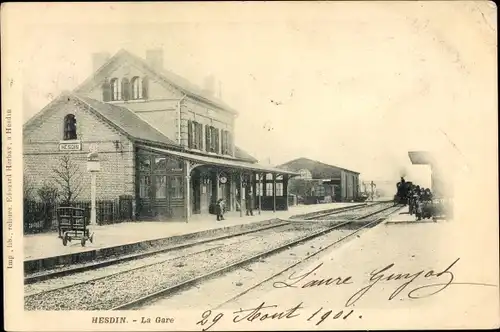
(372, 185)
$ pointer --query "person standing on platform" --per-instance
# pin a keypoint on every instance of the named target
(249, 203)
(219, 209)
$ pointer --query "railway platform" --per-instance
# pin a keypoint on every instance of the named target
(424, 255)
(45, 251)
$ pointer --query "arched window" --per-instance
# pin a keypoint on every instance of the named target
(106, 91)
(70, 127)
(116, 89)
(145, 87)
(136, 88)
(125, 89)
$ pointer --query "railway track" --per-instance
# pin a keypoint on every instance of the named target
(308, 257)
(82, 267)
(120, 290)
(168, 291)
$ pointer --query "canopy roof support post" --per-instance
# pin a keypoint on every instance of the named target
(274, 192)
(217, 184)
(187, 186)
(261, 189)
(285, 189)
(241, 193)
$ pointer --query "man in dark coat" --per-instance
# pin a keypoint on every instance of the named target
(219, 209)
(249, 203)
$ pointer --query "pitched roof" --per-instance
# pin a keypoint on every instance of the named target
(318, 168)
(128, 121)
(241, 154)
(124, 120)
(164, 75)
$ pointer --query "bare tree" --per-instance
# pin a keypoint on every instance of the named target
(28, 188)
(69, 177)
(301, 187)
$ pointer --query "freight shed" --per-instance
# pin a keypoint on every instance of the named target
(319, 182)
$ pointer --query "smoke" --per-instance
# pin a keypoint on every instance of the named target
(402, 172)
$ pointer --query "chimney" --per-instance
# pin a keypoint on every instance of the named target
(154, 58)
(209, 85)
(99, 59)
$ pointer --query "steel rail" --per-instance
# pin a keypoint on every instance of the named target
(151, 264)
(37, 277)
(167, 291)
(91, 266)
(374, 222)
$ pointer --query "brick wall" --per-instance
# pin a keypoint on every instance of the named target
(41, 151)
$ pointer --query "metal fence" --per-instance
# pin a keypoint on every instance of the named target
(41, 217)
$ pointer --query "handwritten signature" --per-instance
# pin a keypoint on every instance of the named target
(439, 282)
(430, 282)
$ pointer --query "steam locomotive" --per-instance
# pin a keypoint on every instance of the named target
(401, 196)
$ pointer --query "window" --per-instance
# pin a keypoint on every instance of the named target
(259, 189)
(279, 189)
(106, 90)
(269, 189)
(145, 87)
(136, 88)
(125, 89)
(160, 163)
(212, 139)
(116, 89)
(174, 164)
(144, 163)
(176, 187)
(269, 177)
(144, 186)
(69, 127)
(161, 186)
(226, 143)
(195, 135)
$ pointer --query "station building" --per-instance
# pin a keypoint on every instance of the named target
(162, 140)
(322, 182)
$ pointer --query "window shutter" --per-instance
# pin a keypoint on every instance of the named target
(190, 134)
(217, 145)
(207, 138)
(212, 139)
(145, 87)
(125, 89)
(106, 91)
(224, 149)
(200, 136)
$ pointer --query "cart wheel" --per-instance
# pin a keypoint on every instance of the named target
(83, 242)
(65, 240)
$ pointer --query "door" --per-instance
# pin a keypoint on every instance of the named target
(161, 197)
(195, 193)
(146, 200)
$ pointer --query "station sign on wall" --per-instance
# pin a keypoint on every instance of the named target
(70, 146)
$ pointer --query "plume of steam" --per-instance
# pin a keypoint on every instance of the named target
(402, 172)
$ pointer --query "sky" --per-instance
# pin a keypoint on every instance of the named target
(353, 84)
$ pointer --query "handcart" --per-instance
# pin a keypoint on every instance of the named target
(73, 225)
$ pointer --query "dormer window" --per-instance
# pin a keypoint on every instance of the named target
(69, 127)
(136, 88)
(116, 89)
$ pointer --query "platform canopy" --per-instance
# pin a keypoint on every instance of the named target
(208, 160)
(421, 158)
